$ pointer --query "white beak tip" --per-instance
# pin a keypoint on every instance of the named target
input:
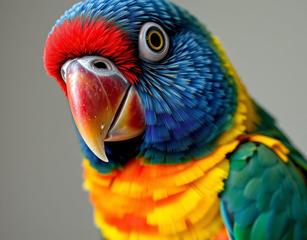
(100, 153)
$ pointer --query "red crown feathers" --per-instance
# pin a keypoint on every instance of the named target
(81, 37)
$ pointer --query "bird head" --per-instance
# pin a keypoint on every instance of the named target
(142, 78)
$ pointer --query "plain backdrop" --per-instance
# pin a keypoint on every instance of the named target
(40, 166)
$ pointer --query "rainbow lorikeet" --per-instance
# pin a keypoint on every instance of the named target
(174, 147)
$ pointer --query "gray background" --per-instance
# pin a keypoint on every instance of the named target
(40, 173)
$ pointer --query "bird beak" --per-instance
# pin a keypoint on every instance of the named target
(104, 105)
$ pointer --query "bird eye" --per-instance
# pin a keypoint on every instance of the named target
(155, 39)
(153, 42)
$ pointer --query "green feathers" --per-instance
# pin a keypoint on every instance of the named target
(264, 197)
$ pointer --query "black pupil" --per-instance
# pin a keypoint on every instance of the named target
(100, 65)
(155, 40)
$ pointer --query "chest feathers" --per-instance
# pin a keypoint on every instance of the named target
(169, 202)
(160, 201)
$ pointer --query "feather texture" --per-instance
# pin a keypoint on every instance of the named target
(160, 202)
(209, 157)
(264, 197)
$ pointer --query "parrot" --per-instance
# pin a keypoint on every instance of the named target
(173, 145)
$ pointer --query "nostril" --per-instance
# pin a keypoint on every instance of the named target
(97, 65)
(101, 65)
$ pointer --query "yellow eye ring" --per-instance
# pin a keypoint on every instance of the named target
(154, 43)
(155, 39)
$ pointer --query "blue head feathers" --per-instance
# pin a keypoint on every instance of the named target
(188, 97)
